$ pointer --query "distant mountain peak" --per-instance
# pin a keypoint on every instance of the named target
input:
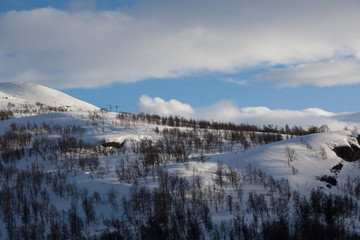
(20, 93)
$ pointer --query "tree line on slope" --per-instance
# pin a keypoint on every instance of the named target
(176, 208)
(177, 121)
(179, 208)
(28, 109)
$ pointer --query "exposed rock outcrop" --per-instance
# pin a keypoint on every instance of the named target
(337, 168)
(329, 179)
(113, 144)
(348, 153)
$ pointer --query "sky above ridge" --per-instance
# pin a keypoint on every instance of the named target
(221, 60)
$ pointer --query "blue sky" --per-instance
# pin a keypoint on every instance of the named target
(19, 5)
(189, 57)
(206, 90)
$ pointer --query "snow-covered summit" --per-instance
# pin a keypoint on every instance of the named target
(20, 93)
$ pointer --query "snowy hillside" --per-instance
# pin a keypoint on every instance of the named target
(91, 174)
(20, 94)
(312, 156)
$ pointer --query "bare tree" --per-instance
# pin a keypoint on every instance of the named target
(289, 154)
(324, 128)
(323, 153)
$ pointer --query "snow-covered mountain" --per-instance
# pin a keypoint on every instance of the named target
(19, 94)
(129, 176)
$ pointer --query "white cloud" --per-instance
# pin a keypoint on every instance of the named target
(233, 81)
(157, 105)
(323, 74)
(305, 118)
(158, 39)
(223, 111)
(227, 111)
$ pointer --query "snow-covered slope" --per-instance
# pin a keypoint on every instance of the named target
(313, 157)
(220, 180)
(313, 154)
(19, 93)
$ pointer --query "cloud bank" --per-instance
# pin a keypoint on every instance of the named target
(323, 74)
(167, 39)
(227, 111)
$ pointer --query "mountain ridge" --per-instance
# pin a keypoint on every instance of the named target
(20, 93)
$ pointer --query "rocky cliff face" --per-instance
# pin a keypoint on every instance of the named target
(348, 153)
